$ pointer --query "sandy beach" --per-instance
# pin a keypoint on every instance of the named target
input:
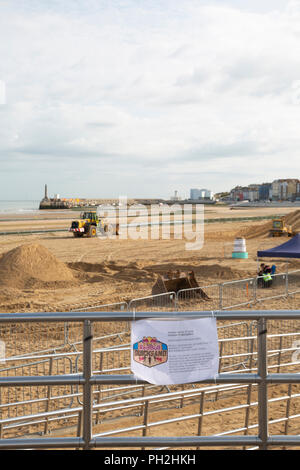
(56, 272)
(103, 270)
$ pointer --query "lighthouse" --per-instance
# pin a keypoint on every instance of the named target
(46, 193)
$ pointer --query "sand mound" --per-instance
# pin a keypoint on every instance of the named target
(32, 265)
(202, 271)
(215, 271)
(293, 219)
(130, 272)
(256, 231)
(263, 229)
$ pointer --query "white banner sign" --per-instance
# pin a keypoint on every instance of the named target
(165, 352)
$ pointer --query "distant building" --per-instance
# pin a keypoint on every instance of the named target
(265, 191)
(285, 189)
(253, 192)
(237, 194)
(245, 193)
(278, 190)
(196, 194)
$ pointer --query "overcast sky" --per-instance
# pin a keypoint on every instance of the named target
(143, 97)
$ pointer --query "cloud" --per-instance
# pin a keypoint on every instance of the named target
(143, 92)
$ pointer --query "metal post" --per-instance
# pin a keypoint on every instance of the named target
(182, 398)
(249, 392)
(220, 296)
(287, 413)
(87, 389)
(146, 413)
(99, 389)
(255, 289)
(279, 355)
(220, 366)
(48, 396)
(79, 423)
(262, 386)
(201, 415)
(143, 394)
(66, 333)
(176, 302)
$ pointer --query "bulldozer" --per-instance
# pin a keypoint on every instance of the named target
(90, 225)
(280, 229)
(174, 281)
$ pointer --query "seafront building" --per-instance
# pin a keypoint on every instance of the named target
(201, 194)
(279, 190)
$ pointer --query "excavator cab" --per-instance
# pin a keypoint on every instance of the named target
(279, 228)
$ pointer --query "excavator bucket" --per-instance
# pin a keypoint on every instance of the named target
(175, 281)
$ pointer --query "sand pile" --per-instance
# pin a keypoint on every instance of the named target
(32, 265)
(202, 271)
(256, 231)
(130, 272)
(294, 220)
(262, 230)
(216, 272)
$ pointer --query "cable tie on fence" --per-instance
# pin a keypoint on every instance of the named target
(88, 338)
(263, 332)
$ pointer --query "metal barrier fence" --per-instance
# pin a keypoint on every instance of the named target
(231, 294)
(223, 296)
(18, 404)
(154, 303)
(293, 282)
(273, 289)
(257, 375)
(237, 293)
(74, 332)
(192, 299)
(226, 295)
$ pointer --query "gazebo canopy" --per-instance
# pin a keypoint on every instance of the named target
(289, 249)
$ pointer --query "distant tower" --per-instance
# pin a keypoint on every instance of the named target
(46, 193)
(175, 197)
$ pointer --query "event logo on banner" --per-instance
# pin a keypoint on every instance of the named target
(177, 351)
(150, 352)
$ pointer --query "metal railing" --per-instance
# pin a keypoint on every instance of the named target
(89, 379)
(222, 296)
(234, 354)
(21, 411)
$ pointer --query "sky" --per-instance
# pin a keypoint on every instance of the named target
(102, 98)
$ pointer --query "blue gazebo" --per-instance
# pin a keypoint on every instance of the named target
(289, 249)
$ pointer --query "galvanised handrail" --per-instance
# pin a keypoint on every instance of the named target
(87, 380)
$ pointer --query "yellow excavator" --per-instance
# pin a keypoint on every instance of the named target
(90, 225)
(280, 229)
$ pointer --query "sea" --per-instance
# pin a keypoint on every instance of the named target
(19, 207)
